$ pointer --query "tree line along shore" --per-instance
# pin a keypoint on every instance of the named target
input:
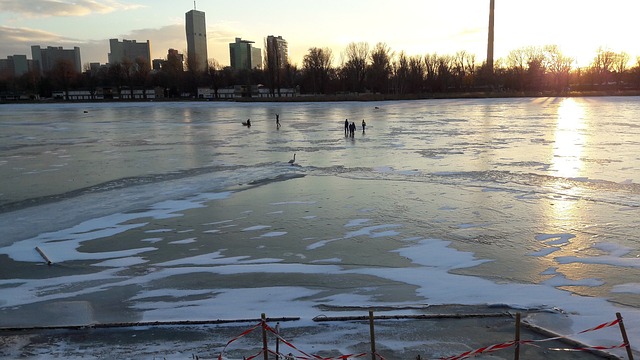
(363, 73)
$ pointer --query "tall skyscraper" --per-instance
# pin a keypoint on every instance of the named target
(244, 56)
(196, 29)
(277, 52)
(129, 50)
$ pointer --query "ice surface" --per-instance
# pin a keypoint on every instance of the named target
(470, 202)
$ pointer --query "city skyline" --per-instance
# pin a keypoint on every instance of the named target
(416, 27)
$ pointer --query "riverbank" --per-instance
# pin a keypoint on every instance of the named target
(441, 332)
(362, 97)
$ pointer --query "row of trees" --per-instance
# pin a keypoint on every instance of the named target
(361, 69)
(529, 69)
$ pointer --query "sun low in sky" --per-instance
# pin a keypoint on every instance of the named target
(417, 27)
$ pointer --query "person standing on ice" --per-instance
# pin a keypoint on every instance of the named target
(363, 125)
(346, 126)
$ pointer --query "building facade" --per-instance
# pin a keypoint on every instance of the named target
(129, 50)
(174, 60)
(15, 66)
(277, 52)
(244, 56)
(49, 57)
(196, 29)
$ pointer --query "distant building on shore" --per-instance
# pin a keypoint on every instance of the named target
(277, 51)
(174, 60)
(129, 50)
(48, 58)
(196, 29)
(15, 66)
(244, 56)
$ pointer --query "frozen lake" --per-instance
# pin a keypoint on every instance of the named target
(175, 211)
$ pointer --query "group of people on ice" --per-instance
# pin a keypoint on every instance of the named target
(350, 129)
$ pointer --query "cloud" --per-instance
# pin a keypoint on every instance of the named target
(25, 35)
(47, 8)
(16, 41)
(161, 39)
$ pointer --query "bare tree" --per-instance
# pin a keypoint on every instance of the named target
(90, 80)
(127, 71)
(517, 65)
(430, 63)
(380, 69)
(636, 72)
(603, 64)
(463, 68)
(356, 57)
(215, 76)
(444, 64)
(272, 66)
(416, 74)
(558, 65)
(192, 75)
(535, 68)
(401, 78)
(141, 75)
(316, 65)
(63, 74)
(620, 62)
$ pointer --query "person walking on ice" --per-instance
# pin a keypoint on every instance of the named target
(277, 121)
(363, 125)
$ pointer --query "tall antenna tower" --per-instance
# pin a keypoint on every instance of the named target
(490, 40)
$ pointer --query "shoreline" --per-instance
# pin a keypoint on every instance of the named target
(441, 330)
(358, 97)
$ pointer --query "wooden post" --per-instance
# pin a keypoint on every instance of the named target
(516, 356)
(44, 256)
(624, 336)
(264, 337)
(277, 341)
(372, 335)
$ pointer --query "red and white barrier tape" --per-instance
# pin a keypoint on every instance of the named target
(602, 326)
(464, 355)
(481, 350)
(507, 344)
(238, 337)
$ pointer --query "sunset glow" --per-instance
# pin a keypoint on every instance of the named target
(413, 26)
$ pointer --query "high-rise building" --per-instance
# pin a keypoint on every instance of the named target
(196, 29)
(129, 50)
(49, 57)
(16, 65)
(277, 52)
(244, 56)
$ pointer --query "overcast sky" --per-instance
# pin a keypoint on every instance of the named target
(417, 27)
